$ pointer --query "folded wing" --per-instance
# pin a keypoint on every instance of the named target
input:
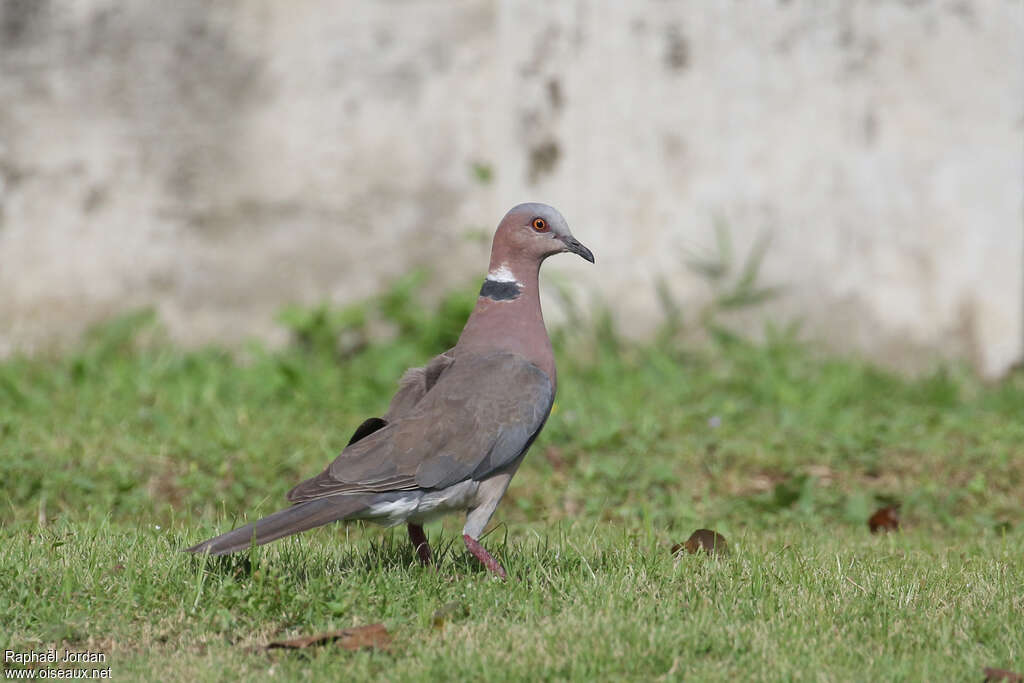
(478, 415)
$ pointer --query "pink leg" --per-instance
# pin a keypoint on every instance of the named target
(419, 541)
(485, 557)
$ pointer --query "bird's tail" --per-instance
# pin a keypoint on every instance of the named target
(286, 522)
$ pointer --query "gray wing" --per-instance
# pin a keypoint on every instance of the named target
(480, 414)
(415, 384)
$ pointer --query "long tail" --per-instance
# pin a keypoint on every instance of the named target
(286, 522)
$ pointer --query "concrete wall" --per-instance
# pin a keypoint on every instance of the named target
(221, 159)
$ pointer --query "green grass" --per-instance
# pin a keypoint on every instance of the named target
(116, 456)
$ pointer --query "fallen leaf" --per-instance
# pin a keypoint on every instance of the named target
(448, 611)
(992, 674)
(885, 519)
(711, 542)
(373, 636)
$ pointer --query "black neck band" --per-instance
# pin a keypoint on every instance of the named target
(500, 291)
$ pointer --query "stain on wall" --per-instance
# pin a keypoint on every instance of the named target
(221, 160)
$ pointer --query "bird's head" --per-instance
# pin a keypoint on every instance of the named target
(539, 231)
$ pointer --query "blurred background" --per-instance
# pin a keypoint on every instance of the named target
(862, 162)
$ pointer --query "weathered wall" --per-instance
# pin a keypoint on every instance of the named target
(222, 159)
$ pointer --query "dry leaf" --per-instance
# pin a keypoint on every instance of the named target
(885, 519)
(992, 674)
(373, 636)
(711, 542)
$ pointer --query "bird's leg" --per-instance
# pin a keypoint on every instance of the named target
(485, 558)
(419, 541)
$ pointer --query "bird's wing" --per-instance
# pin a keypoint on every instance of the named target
(479, 416)
(369, 426)
(415, 384)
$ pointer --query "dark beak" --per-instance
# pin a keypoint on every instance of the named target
(572, 244)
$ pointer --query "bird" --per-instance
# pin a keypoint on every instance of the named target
(458, 428)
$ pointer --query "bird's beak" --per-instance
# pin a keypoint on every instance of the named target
(572, 244)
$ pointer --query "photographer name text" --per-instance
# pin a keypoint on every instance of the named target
(54, 657)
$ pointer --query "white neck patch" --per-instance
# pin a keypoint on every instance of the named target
(502, 274)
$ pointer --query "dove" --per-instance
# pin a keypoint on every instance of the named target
(458, 428)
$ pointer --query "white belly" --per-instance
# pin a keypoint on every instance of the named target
(419, 507)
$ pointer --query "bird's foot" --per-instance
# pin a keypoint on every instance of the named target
(419, 541)
(485, 558)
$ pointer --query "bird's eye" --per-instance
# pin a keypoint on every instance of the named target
(540, 225)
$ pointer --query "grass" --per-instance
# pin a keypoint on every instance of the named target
(118, 455)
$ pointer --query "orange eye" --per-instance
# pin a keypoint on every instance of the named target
(540, 225)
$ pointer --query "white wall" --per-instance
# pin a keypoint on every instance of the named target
(221, 160)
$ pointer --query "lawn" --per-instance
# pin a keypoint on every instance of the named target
(118, 454)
